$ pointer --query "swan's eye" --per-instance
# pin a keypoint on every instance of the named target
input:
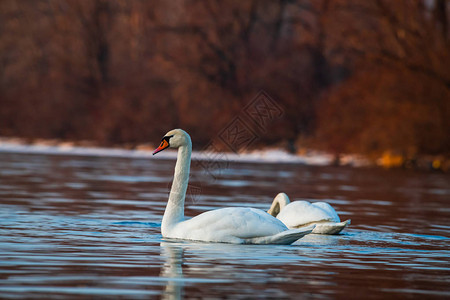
(166, 139)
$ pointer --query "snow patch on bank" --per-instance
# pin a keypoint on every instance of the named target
(257, 156)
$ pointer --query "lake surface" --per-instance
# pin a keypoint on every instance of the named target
(89, 227)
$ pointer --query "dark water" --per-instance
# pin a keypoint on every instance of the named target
(88, 227)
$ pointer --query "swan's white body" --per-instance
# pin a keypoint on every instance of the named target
(228, 225)
(299, 214)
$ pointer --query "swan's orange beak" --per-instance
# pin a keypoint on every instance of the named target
(164, 144)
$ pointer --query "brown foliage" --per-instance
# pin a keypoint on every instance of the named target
(398, 97)
(386, 110)
(363, 76)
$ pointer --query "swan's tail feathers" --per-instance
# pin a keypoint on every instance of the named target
(342, 225)
(331, 227)
(283, 238)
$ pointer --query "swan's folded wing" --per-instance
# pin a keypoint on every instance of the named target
(329, 209)
(232, 224)
(250, 223)
(300, 213)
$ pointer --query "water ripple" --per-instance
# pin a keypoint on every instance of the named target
(90, 227)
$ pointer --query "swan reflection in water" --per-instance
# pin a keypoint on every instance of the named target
(203, 267)
(205, 263)
(172, 270)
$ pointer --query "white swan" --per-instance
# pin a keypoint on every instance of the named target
(228, 225)
(298, 214)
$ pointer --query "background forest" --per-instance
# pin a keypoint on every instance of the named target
(351, 76)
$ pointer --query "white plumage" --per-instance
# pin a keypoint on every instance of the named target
(299, 214)
(228, 225)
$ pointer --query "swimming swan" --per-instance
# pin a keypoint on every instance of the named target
(298, 214)
(237, 225)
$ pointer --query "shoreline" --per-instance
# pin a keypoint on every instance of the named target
(266, 155)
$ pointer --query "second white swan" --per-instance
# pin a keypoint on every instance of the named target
(299, 214)
(239, 225)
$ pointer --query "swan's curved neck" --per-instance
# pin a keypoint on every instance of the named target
(280, 201)
(175, 206)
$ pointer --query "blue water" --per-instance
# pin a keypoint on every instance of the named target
(89, 227)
